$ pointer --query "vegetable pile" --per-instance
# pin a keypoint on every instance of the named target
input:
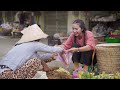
(103, 75)
(58, 73)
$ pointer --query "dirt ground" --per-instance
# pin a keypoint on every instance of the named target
(7, 42)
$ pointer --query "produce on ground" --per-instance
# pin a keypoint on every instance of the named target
(103, 75)
(58, 73)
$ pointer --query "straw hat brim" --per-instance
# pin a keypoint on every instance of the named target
(32, 33)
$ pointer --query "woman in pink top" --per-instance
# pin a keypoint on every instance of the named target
(81, 42)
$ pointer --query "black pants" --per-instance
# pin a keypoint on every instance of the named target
(84, 57)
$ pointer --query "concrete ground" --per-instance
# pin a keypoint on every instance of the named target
(7, 42)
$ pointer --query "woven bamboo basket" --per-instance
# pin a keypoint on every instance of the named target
(108, 57)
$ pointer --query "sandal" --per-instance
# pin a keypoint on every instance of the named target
(75, 72)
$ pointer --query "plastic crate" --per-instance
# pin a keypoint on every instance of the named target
(115, 36)
(112, 40)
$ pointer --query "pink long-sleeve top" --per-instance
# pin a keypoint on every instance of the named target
(89, 40)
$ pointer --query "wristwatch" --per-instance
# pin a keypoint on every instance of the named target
(78, 50)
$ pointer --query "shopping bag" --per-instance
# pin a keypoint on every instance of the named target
(66, 58)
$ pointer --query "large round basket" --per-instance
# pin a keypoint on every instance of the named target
(108, 56)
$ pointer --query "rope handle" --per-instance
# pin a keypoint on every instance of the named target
(93, 54)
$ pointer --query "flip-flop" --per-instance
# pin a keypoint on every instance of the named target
(75, 72)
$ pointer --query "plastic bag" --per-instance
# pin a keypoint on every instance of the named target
(40, 75)
(66, 58)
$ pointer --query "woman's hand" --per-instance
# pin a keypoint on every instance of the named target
(45, 66)
(72, 50)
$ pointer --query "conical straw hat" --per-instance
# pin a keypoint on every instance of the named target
(32, 33)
